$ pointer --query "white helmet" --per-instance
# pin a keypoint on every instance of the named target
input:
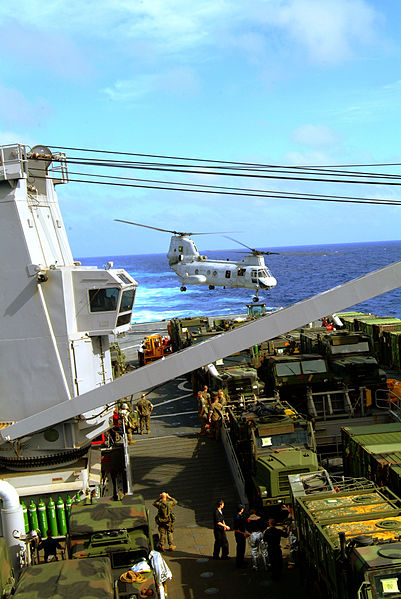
(124, 406)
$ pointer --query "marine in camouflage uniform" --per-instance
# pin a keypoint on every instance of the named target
(130, 421)
(144, 408)
(203, 412)
(165, 523)
(216, 418)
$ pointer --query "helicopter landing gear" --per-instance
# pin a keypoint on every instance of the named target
(183, 288)
(255, 299)
(211, 287)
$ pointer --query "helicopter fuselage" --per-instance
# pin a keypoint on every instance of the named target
(194, 269)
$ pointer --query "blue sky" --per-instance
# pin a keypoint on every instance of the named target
(270, 81)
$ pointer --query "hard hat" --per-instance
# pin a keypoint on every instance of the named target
(124, 406)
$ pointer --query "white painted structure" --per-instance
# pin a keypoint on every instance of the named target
(56, 314)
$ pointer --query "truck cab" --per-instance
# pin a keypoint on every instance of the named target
(349, 356)
(119, 531)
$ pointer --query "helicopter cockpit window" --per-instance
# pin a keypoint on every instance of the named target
(228, 274)
(241, 272)
(103, 300)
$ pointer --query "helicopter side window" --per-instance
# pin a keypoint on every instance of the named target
(215, 273)
(196, 271)
(241, 272)
(254, 275)
(180, 248)
(228, 274)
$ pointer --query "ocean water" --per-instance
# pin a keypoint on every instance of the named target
(298, 277)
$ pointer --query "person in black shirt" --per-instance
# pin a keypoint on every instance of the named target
(219, 529)
(272, 537)
(50, 547)
(240, 535)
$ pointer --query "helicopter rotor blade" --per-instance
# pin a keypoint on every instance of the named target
(129, 222)
(240, 243)
(181, 233)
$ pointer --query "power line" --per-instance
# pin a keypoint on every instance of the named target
(265, 192)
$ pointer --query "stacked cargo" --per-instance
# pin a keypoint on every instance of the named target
(348, 318)
(374, 451)
(391, 348)
(349, 543)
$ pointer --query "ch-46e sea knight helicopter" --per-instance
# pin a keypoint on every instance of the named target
(195, 269)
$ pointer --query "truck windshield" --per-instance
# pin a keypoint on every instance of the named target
(353, 348)
(288, 368)
(387, 585)
(312, 366)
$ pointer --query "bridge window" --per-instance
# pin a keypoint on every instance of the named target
(103, 300)
(228, 274)
(127, 300)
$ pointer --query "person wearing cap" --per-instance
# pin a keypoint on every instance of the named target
(144, 408)
(240, 535)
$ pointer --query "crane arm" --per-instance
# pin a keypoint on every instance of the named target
(270, 326)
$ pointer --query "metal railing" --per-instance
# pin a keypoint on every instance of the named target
(234, 465)
(385, 399)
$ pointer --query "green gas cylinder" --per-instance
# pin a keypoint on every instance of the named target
(77, 497)
(42, 518)
(33, 516)
(61, 518)
(51, 515)
(68, 506)
(25, 515)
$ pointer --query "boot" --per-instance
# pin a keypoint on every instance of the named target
(172, 548)
(161, 547)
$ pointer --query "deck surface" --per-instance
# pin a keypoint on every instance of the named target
(194, 470)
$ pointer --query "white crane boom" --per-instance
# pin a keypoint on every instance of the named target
(279, 322)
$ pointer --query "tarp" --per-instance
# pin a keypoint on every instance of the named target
(86, 579)
(129, 513)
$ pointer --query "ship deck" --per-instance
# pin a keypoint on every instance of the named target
(195, 471)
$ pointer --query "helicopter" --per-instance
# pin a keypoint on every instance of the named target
(193, 268)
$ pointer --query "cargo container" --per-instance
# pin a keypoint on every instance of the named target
(374, 451)
(349, 543)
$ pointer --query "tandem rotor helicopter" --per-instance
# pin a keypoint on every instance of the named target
(194, 269)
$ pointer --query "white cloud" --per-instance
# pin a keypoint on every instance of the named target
(178, 80)
(328, 31)
(315, 135)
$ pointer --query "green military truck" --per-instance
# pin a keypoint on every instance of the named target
(7, 578)
(238, 382)
(349, 356)
(118, 531)
(271, 441)
(349, 542)
(292, 374)
(68, 579)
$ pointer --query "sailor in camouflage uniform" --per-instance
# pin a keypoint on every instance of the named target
(165, 519)
(144, 408)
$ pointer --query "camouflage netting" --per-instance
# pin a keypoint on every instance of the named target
(129, 513)
(86, 579)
